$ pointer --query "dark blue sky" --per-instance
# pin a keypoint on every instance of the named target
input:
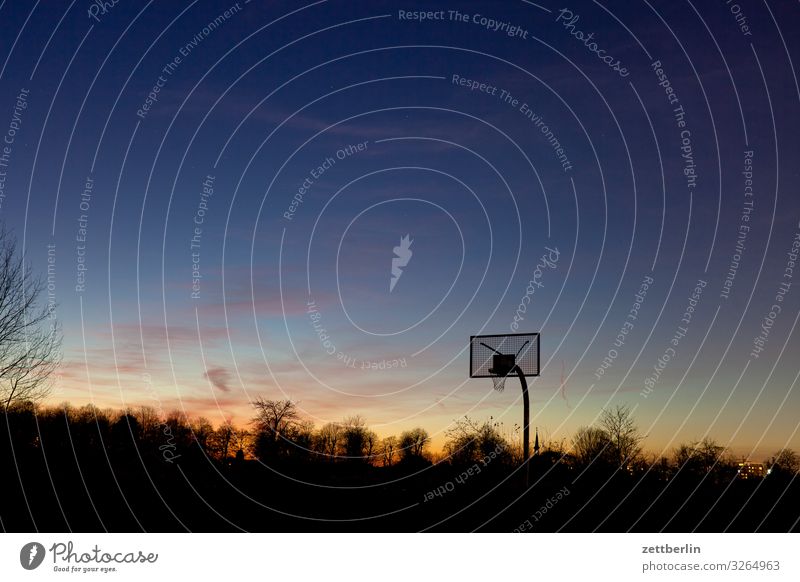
(587, 156)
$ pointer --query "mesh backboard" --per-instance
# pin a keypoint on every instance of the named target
(496, 355)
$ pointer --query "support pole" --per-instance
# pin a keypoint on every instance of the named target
(526, 415)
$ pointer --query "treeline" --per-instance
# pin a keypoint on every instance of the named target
(278, 433)
(68, 468)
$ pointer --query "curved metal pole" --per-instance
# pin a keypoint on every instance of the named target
(526, 415)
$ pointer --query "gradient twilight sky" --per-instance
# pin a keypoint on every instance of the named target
(261, 96)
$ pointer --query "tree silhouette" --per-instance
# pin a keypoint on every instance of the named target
(242, 441)
(220, 441)
(274, 416)
(328, 439)
(273, 419)
(786, 462)
(29, 351)
(590, 445)
(388, 450)
(358, 441)
(703, 459)
(125, 434)
(623, 435)
(150, 422)
(413, 444)
(202, 432)
(469, 441)
(300, 439)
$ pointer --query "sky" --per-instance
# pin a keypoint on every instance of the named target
(214, 192)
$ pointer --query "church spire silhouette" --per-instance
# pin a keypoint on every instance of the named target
(536, 442)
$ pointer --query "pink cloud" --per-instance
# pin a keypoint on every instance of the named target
(219, 377)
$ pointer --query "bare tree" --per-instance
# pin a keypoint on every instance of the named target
(786, 461)
(702, 458)
(589, 444)
(202, 432)
(220, 440)
(150, 422)
(371, 444)
(29, 348)
(328, 439)
(300, 439)
(623, 435)
(388, 450)
(469, 440)
(413, 443)
(462, 440)
(242, 441)
(358, 441)
(274, 417)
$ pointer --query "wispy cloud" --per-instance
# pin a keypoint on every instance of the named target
(219, 377)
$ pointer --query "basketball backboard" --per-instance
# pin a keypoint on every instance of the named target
(496, 355)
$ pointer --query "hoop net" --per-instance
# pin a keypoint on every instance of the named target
(499, 382)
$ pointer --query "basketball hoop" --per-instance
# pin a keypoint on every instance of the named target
(503, 365)
(500, 356)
